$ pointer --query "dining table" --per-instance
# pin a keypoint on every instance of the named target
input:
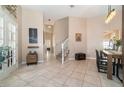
(110, 54)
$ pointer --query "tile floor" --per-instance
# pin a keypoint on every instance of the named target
(52, 73)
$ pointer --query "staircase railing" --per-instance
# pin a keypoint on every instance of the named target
(65, 51)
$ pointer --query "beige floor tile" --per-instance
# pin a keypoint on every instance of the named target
(54, 83)
(59, 78)
(52, 73)
(77, 75)
(72, 85)
(109, 83)
(49, 75)
(65, 73)
(80, 70)
(28, 76)
(12, 81)
(71, 82)
(92, 79)
(92, 73)
(88, 84)
(38, 82)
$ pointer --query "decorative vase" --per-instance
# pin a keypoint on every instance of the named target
(120, 49)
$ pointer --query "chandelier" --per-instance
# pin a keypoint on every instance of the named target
(111, 14)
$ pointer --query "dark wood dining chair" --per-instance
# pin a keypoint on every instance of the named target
(119, 69)
(102, 61)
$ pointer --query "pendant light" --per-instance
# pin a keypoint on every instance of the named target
(111, 14)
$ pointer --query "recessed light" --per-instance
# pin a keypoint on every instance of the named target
(72, 6)
(49, 19)
(49, 26)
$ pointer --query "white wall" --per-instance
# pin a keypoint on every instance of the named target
(31, 19)
(77, 25)
(60, 33)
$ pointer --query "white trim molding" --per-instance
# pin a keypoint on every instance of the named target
(71, 58)
(91, 58)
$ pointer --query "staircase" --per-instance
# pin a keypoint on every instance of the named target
(59, 56)
(63, 55)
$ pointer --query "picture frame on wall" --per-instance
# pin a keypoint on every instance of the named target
(33, 38)
(78, 37)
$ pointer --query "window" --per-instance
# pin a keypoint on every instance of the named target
(1, 30)
(8, 37)
(12, 35)
(107, 44)
(12, 39)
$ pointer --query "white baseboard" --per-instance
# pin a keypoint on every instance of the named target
(71, 58)
(40, 61)
(91, 58)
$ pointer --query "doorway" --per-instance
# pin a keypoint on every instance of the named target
(48, 41)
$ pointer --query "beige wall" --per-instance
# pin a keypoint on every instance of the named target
(19, 21)
(116, 23)
(31, 19)
(48, 36)
(95, 30)
(77, 25)
(92, 30)
(60, 33)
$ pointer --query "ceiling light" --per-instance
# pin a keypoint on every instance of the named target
(49, 26)
(111, 14)
(72, 6)
(49, 19)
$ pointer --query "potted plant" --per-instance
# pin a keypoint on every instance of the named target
(4, 52)
(118, 45)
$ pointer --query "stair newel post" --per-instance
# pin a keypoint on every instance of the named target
(62, 53)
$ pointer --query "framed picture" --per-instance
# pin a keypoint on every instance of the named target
(33, 35)
(78, 37)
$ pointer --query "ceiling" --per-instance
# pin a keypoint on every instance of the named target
(55, 12)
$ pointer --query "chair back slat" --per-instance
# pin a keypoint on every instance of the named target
(99, 62)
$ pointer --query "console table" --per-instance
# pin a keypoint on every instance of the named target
(32, 58)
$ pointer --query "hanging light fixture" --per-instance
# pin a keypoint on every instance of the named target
(71, 6)
(49, 26)
(111, 14)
